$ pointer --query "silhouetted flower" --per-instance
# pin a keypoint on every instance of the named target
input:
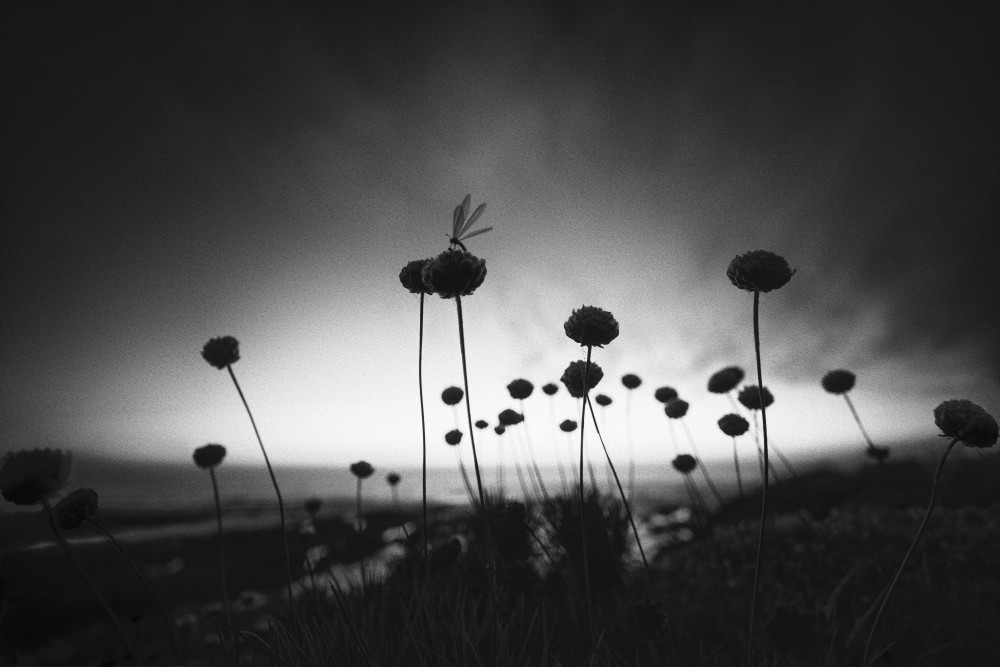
(591, 326)
(28, 477)
(665, 394)
(550, 389)
(393, 478)
(684, 463)
(221, 352)
(724, 381)
(879, 454)
(567, 425)
(838, 382)
(676, 408)
(572, 377)
(966, 421)
(312, 505)
(76, 506)
(603, 400)
(362, 469)
(509, 417)
(751, 400)
(648, 618)
(453, 437)
(412, 276)
(209, 456)
(733, 425)
(499, 429)
(452, 395)
(520, 389)
(759, 271)
(481, 424)
(454, 273)
(631, 381)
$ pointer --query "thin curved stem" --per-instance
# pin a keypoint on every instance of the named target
(583, 515)
(766, 466)
(423, 433)
(142, 580)
(491, 560)
(399, 511)
(361, 528)
(909, 552)
(531, 455)
(277, 492)
(631, 445)
(133, 654)
(621, 492)
(222, 548)
(736, 465)
(701, 465)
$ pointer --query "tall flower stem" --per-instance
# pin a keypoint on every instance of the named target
(763, 505)
(361, 528)
(142, 580)
(133, 654)
(631, 445)
(531, 455)
(736, 465)
(555, 449)
(909, 552)
(701, 465)
(277, 492)
(423, 434)
(621, 492)
(475, 456)
(858, 420)
(583, 513)
(222, 548)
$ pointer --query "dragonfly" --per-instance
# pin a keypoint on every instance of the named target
(463, 222)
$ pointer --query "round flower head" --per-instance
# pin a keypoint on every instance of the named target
(603, 400)
(313, 504)
(520, 389)
(676, 408)
(759, 271)
(28, 477)
(412, 276)
(567, 426)
(509, 417)
(879, 454)
(665, 394)
(838, 382)
(481, 424)
(572, 377)
(550, 389)
(631, 381)
(591, 326)
(362, 469)
(733, 425)
(454, 273)
(966, 421)
(684, 463)
(749, 398)
(453, 437)
(209, 456)
(75, 507)
(393, 478)
(221, 352)
(499, 429)
(452, 395)
(724, 381)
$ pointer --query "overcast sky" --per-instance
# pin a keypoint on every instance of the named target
(178, 171)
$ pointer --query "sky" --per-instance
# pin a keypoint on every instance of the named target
(174, 172)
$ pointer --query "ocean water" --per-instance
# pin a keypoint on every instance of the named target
(165, 487)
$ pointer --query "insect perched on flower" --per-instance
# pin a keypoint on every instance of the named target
(460, 227)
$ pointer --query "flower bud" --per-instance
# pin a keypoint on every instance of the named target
(567, 426)
(550, 389)
(733, 425)
(499, 429)
(393, 478)
(591, 326)
(603, 400)
(966, 421)
(520, 389)
(362, 469)
(676, 408)
(481, 424)
(665, 394)
(452, 395)
(750, 399)
(509, 417)
(209, 456)
(453, 437)
(631, 381)
(221, 352)
(759, 271)
(838, 382)
(724, 381)
(684, 463)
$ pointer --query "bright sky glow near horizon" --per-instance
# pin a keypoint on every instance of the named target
(175, 172)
